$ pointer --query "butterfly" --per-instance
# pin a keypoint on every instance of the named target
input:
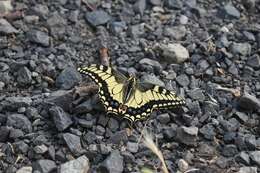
(126, 96)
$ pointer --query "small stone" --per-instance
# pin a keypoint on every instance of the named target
(243, 158)
(113, 124)
(2, 85)
(16, 133)
(241, 48)
(208, 132)
(246, 169)
(197, 94)
(25, 169)
(6, 27)
(31, 19)
(249, 36)
(61, 119)
(73, 142)
(203, 65)
(164, 118)
(249, 4)
(187, 135)
(136, 31)
(229, 150)
(68, 78)
(152, 80)
(19, 121)
(242, 116)
(17, 102)
(230, 11)
(183, 165)
(38, 37)
(155, 2)
(118, 27)
(79, 165)
(40, 149)
(183, 80)
(255, 156)
(61, 98)
(5, 6)
(184, 19)
(254, 61)
(249, 102)
(21, 147)
(169, 132)
(153, 63)
(100, 130)
(44, 166)
(175, 53)
(132, 147)
(24, 76)
(174, 4)
(140, 6)
(4, 133)
(98, 17)
(176, 33)
(41, 10)
(118, 137)
(113, 163)
(233, 69)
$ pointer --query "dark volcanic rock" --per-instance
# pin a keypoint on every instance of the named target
(255, 156)
(98, 17)
(140, 6)
(61, 119)
(254, 61)
(249, 102)
(38, 37)
(44, 166)
(230, 11)
(4, 133)
(68, 78)
(187, 135)
(19, 121)
(80, 164)
(24, 76)
(229, 150)
(113, 163)
(6, 27)
(73, 142)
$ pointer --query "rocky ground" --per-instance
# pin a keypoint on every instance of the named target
(206, 50)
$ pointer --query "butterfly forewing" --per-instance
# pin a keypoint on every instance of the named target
(110, 90)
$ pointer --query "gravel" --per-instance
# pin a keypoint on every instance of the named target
(49, 124)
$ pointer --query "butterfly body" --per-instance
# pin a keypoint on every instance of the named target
(126, 97)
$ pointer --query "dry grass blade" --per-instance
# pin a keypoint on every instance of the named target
(148, 141)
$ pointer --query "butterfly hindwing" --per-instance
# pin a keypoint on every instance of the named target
(110, 86)
(144, 102)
